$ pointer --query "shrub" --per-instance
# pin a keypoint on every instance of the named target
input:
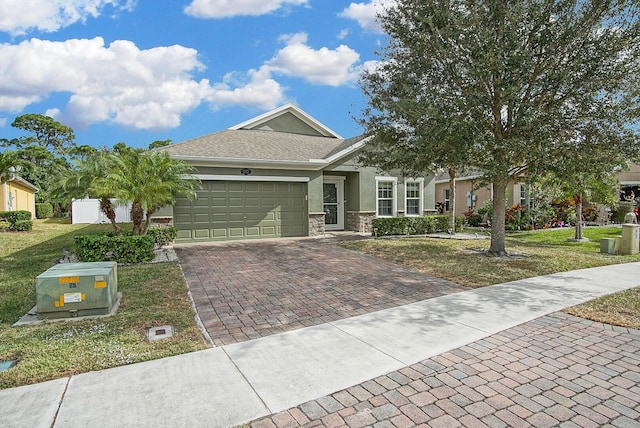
(163, 235)
(474, 220)
(18, 221)
(13, 216)
(590, 213)
(4, 225)
(122, 249)
(21, 226)
(617, 216)
(413, 225)
(44, 210)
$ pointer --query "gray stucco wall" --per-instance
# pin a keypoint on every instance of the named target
(289, 123)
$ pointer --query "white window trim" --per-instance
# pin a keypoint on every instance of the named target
(394, 202)
(420, 181)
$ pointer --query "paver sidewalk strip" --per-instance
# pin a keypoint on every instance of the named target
(197, 389)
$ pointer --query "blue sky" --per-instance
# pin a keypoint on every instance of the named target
(135, 71)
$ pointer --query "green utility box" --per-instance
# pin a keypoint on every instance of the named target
(70, 290)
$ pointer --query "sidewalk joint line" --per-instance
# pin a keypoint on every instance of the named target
(55, 417)
(248, 382)
(367, 343)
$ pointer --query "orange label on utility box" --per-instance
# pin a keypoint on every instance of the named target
(101, 284)
(68, 279)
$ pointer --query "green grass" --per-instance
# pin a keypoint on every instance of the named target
(533, 254)
(153, 295)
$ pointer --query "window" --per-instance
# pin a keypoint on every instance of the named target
(413, 197)
(524, 193)
(447, 199)
(385, 197)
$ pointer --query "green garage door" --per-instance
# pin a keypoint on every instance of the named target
(240, 210)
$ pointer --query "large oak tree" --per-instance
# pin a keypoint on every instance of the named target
(505, 86)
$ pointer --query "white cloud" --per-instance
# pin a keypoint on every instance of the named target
(323, 66)
(147, 89)
(366, 13)
(260, 91)
(343, 34)
(152, 88)
(19, 16)
(228, 8)
(120, 83)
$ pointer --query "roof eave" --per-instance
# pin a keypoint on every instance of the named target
(312, 164)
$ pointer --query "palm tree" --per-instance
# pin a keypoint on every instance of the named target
(87, 179)
(149, 180)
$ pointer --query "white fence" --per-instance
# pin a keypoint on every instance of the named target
(87, 211)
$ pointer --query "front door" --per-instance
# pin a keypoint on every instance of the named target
(333, 189)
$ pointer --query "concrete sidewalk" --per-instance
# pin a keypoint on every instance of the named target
(238, 383)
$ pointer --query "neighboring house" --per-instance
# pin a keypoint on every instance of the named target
(630, 184)
(18, 194)
(472, 192)
(285, 174)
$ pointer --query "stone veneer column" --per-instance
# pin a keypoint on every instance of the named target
(316, 224)
(360, 221)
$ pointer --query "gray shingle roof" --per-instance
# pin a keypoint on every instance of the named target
(260, 145)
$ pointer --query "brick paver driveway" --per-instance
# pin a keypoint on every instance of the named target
(247, 290)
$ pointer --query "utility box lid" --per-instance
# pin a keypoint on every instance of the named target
(77, 289)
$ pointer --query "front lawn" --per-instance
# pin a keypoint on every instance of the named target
(153, 295)
(534, 254)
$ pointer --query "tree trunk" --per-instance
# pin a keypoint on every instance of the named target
(147, 221)
(497, 247)
(137, 214)
(107, 208)
(578, 236)
(452, 200)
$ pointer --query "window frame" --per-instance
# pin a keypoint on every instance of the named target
(446, 199)
(394, 196)
(420, 198)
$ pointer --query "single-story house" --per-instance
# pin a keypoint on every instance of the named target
(285, 174)
(18, 194)
(472, 192)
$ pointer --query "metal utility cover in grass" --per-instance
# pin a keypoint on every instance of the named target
(6, 365)
(158, 333)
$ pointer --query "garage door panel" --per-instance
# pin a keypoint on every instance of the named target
(235, 186)
(237, 210)
(215, 186)
(236, 232)
(267, 187)
(269, 231)
(252, 201)
(220, 233)
(200, 234)
(201, 219)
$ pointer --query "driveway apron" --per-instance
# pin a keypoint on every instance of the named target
(246, 290)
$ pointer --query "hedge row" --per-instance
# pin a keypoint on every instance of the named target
(125, 248)
(413, 225)
(44, 210)
(16, 221)
(161, 235)
(122, 249)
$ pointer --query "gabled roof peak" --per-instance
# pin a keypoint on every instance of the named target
(289, 108)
